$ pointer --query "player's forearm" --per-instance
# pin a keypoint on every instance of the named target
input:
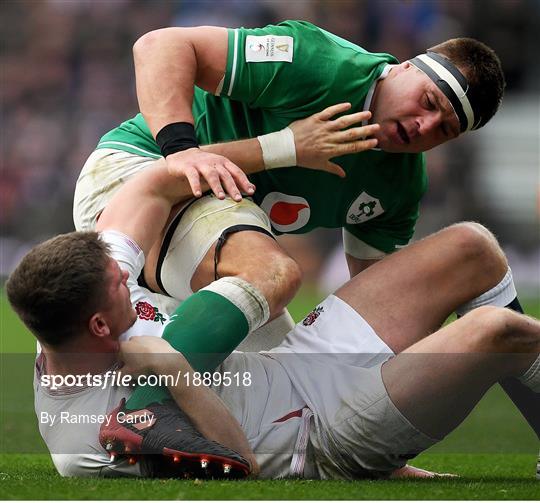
(141, 207)
(247, 154)
(205, 409)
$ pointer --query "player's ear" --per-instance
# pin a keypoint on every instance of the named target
(98, 326)
(398, 69)
(406, 65)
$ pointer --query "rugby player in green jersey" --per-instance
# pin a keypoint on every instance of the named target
(205, 85)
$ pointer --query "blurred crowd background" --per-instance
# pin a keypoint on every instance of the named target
(67, 78)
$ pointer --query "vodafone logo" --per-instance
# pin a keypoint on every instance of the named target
(287, 213)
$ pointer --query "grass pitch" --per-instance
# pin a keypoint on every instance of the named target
(493, 451)
(489, 476)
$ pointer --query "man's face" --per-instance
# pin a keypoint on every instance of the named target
(412, 111)
(119, 312)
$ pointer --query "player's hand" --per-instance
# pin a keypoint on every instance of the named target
(408, 472)
(143, 354)
(319, 138)
(223, 176)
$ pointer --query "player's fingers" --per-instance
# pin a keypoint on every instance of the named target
(354, 147)
(335, 169)
(192, 176)
(229, 183)
(329, 112)
(350, 119)
(355, 133)
(212, 177)
(240, 178)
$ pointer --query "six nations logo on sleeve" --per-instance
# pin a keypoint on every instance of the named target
(269, 48)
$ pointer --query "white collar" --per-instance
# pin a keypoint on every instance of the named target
(371, 92)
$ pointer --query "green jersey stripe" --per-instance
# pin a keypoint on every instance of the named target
(235, 57)
(112, 144)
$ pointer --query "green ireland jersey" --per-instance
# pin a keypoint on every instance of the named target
(279, 74)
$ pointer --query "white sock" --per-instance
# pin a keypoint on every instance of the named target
(500, 295)
(531, 378)
(245, 297)
(268, 336)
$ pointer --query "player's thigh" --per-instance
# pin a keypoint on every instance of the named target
(186, 259)
(252, 255)
(437, 381)
(247, 249)
(102, 175)
(409, 294)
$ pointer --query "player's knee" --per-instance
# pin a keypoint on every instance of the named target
(491, 317)
(296, 274)
(280, 279)
(477, 244)
(276, 276)
(286, 276)
(473, 238)
(491, 328)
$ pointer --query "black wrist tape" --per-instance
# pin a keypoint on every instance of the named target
(176, 137)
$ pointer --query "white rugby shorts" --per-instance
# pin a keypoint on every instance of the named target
(333, 359)
(102, 175)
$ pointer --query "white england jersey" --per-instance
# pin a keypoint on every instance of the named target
(69, 417)
(150, 319)
(274, 418)
(315, 406)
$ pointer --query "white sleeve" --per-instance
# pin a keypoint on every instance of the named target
(126, 252)
(360, 250)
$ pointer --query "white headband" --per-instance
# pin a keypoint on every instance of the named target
(451, 82)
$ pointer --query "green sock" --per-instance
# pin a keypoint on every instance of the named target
(206, 321)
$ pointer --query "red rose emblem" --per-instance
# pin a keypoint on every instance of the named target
(145, 311)
(311, 317)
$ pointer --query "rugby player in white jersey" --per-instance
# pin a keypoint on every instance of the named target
(367, 381)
